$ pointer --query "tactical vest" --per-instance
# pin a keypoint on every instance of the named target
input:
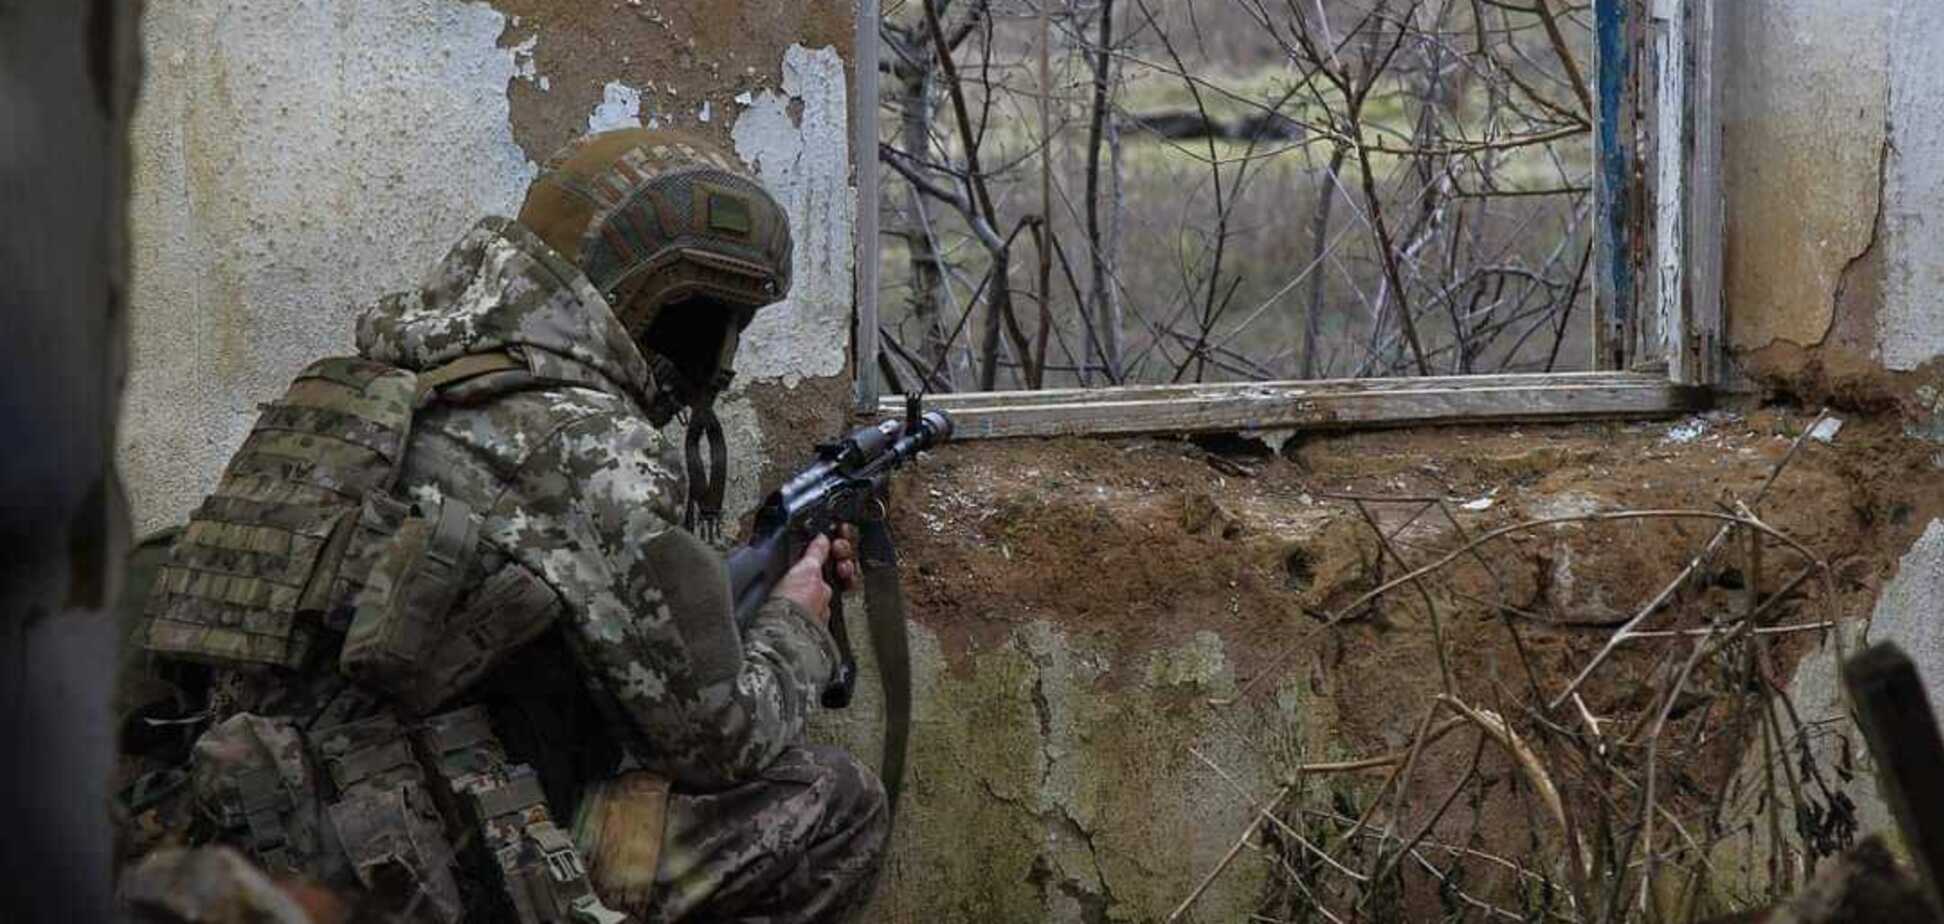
(304, 556)
(303, 540)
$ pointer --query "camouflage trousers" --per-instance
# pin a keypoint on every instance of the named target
(801, 843)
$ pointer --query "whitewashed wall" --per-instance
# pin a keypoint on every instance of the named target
(294, 161)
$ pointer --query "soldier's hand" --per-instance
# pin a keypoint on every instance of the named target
(804, 583)
(843, 553)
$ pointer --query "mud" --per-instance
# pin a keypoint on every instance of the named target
(1150, 541)
(1135, 547)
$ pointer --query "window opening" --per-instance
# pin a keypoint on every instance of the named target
(1318, 214)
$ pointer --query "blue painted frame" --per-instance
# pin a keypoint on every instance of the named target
(1614, 297)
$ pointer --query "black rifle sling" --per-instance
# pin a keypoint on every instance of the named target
(884, 609)
(706, 485)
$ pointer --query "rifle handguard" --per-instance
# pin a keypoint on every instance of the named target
(844, 484)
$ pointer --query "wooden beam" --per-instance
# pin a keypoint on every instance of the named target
(1313, 405)
(1160, 392)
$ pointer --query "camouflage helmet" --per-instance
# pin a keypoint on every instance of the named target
(654, 218)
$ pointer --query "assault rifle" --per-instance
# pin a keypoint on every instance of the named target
(846, 484)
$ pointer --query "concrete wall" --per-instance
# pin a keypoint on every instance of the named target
(1904, 615)
(1039, 790)
(1834, 173)
(295, 161)
(1834, 165)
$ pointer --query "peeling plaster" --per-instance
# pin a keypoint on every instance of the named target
(524, 65)
(291, 165)
(255, 200)
(1804, 106)
(292, 162)
(620, 108)
(804, 161)
(679, 53)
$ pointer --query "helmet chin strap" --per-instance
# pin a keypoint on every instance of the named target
(707, 481)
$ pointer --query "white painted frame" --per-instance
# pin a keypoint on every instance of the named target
(1694, 341)
(864, 119)
(1688, 206)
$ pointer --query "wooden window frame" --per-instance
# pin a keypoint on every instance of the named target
(1657, 293)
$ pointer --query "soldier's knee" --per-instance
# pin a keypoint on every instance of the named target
(855, 806)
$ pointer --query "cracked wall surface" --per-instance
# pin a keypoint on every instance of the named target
(1833, 167)
(1803, 104)
(1036, 792)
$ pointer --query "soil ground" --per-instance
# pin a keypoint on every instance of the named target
(1145, 546)
(1144, 543)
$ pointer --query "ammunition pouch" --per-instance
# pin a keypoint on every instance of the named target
(386, 821)
(250, 779)
(258, 802)
(415, 577)
(391, 821)
(398, 849)
(417, 635)
(539, 869)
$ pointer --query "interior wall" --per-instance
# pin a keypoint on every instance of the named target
(292, 164)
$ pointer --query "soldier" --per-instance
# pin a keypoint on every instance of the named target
(512, 627)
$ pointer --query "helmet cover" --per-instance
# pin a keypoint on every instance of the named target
(656, 218)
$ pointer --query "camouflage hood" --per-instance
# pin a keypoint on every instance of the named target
(502, 287)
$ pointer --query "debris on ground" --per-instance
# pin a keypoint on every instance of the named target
(1825, 430)
(1135, 546)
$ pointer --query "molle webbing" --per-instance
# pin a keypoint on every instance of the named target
(541, 873)
(409, 588)
(386, 819)
(283, 547)
(255, 574)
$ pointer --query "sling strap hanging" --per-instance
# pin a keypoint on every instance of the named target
(706, 484)
(884, 609)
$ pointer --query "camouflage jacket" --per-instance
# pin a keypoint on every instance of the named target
(580, 488)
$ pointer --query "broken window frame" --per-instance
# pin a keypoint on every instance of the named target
(1657, 296)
